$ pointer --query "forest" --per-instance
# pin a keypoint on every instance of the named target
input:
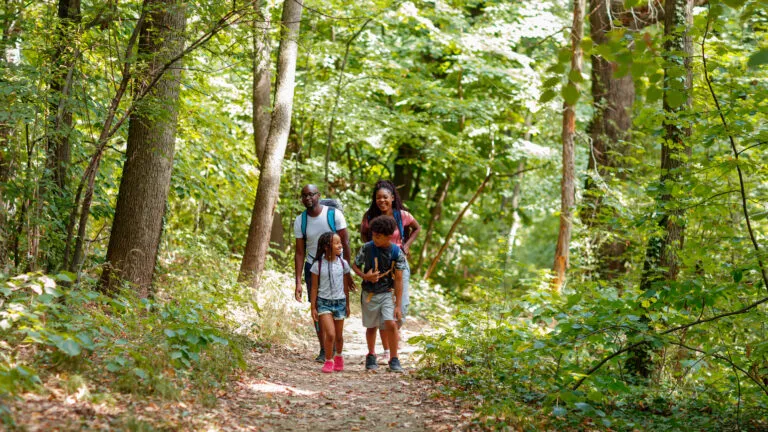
(590, 178)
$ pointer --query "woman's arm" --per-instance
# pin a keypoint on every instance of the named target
(415, 230)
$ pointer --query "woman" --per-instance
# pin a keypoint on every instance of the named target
(386, 201)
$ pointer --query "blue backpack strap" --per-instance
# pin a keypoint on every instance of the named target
(394, 253)
(370, 252)
(304, 231)
(332, 219)
(399, 220)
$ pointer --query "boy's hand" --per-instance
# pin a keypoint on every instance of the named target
(371, 276)
(314, 314)
(298, 291)
(349, 283)
(398, 313)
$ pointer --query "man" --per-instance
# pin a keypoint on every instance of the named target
(307, 230)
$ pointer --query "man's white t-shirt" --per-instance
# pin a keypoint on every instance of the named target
(317, 226)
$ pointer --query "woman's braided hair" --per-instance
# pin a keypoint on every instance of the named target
(397, 203)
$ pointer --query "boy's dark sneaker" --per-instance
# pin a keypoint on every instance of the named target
(320, 357)
(394, 365)
(370, 362)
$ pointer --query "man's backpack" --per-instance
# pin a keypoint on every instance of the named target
(332, 205)
(399, 220)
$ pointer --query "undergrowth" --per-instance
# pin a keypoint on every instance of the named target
(525, 362)
(185, 342)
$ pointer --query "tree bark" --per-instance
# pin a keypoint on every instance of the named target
(257, 244)
(405, 170)
(568, 185)
(65, 55)
(143, 194)
(612, 99)
(262, 103)
(10, 14)
(661, 259)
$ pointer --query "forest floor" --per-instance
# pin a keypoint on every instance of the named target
(282, 389)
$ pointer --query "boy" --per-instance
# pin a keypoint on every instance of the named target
(384, 263)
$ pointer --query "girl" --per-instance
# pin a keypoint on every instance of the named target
(386, 201)
(330, 302)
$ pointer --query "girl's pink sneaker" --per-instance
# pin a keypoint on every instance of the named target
(328, 366)
(338, 363)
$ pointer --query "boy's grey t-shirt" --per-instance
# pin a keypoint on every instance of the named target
(331, 277)
(364, 257)
(317, 226)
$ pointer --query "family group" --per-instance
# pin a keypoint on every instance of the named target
(323, 260)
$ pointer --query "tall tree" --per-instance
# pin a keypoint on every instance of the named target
(661, 257)
(568, 185)
(10, 15)
(612, 99)
(141, 200)
(262, 49)
(64, 58)
(267, 192)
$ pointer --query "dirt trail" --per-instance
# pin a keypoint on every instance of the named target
(298, 397)
(283, 390)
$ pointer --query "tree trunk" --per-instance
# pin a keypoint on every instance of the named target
(59, 148)
(661, 260)
(257, 244)
(262, 100)
(10, 15)
(456, 223)
(262, 103)
(612, 99)
(405, 170)
(143, 194)
(568, 185)
(435, 212)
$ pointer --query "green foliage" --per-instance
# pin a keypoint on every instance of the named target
(145, 345)
(521, 358)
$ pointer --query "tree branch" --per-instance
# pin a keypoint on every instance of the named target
(742, 188)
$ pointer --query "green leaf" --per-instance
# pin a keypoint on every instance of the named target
(575, 76)
(66, 276)
(139, 372)
(595, 396)
(69, 347)
(559, 411)
(675, 98)
(737, 275)
(170, 333)
(735, 4)
(547, 96)
(570, 94)
(758, 58)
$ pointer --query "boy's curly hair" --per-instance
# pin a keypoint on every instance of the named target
(383, 225)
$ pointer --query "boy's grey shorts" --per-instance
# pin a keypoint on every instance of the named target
(380, 308)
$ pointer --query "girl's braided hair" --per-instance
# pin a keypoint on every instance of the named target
(324, 245)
